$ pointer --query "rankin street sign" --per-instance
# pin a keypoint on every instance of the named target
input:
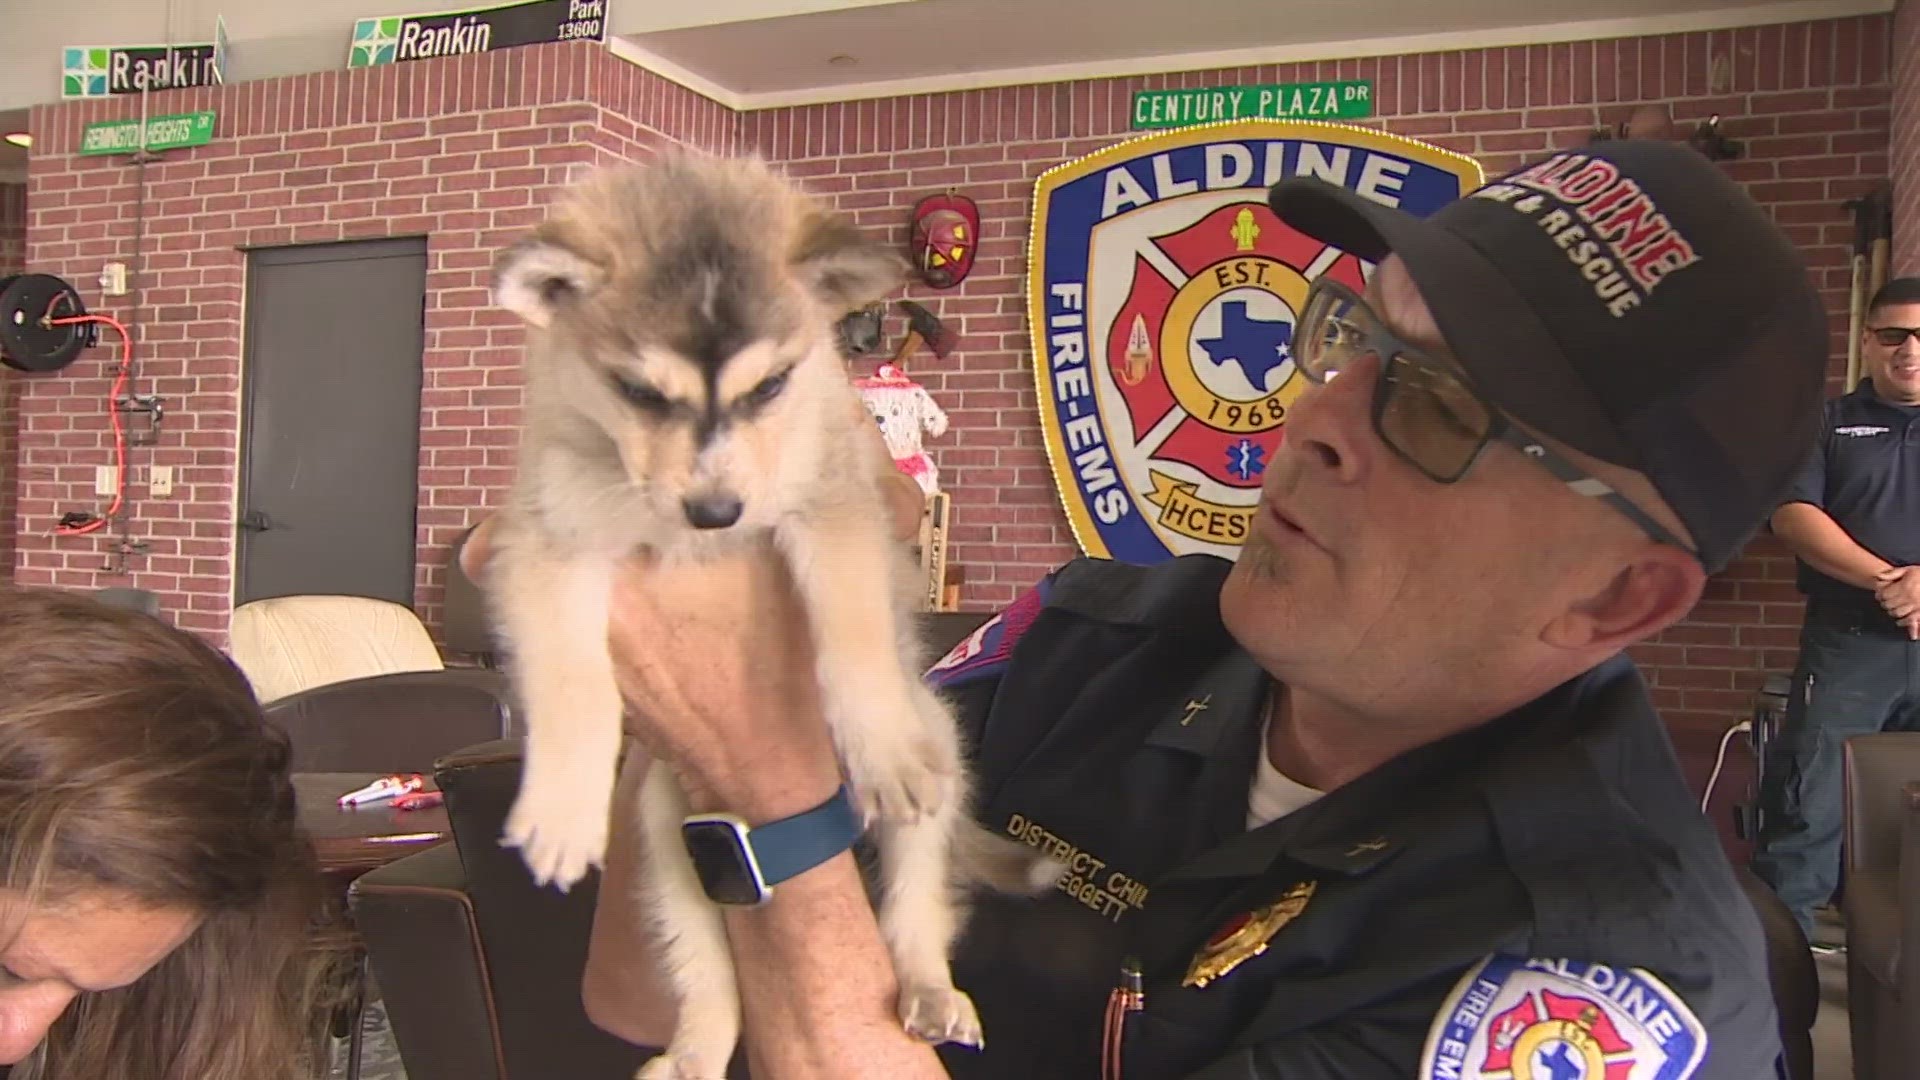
(396, 39)
(92, 71)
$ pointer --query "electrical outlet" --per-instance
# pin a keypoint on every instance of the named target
(113, 279)
(106, 480)
(160, 481)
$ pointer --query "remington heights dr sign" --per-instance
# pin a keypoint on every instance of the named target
(395, 39)
(155, 133)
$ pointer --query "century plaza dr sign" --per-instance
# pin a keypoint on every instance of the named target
(1162, 294)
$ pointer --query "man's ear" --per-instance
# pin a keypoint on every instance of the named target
(539, 277)
(1648, 595)
(843, 267)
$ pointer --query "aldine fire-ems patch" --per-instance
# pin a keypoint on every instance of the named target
(1518, 1019)
(1161, 297)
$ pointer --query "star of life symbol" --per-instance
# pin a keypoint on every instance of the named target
(1244, 459)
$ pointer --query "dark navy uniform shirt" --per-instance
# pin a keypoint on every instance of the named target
(1865, 473)
(1539, 897)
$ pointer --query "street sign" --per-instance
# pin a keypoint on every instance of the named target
(398, 38)
(89, 71)
(163, 133)
(1345, 100)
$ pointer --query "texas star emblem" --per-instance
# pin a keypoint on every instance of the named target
(1516, 1019)
(1162, 294)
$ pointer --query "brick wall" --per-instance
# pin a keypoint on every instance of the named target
(462, 150)
(1810, 100)
(13, 259)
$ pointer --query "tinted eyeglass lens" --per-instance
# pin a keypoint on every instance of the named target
(1329, 339)
(1430, 418)
(1892, 336)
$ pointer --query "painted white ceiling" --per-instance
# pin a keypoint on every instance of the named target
(286, 37)
(921, 46)
(757, 53)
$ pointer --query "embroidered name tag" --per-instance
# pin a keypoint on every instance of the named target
(1088, 879)
(1517, 1019)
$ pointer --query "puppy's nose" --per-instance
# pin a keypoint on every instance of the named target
(711, 511)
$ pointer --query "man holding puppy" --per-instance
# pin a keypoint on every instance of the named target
(1381, 798)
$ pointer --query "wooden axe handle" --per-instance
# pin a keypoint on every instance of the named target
(908, 346)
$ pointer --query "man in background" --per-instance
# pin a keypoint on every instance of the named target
(1853, 519)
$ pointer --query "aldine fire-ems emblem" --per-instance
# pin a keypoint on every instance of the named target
(1515, 1018)
(1161, 297)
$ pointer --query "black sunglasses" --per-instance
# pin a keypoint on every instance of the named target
(1422, 409)
(1893, 336)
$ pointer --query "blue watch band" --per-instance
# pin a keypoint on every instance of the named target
(799, 843)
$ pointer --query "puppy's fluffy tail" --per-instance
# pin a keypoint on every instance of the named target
(988, 860)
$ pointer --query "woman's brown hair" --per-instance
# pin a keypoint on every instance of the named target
(135, 757)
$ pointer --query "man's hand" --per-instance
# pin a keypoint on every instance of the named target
(715, 661)
(1898, 590)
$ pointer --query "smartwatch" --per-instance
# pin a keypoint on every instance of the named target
(740, 865)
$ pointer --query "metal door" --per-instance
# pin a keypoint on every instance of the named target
(330, 447)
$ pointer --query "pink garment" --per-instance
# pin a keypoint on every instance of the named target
(905, 411)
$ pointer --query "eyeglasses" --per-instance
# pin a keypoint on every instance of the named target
(1893, 336)
(1425, 412)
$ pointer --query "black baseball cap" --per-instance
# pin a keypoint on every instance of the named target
(1627, 299)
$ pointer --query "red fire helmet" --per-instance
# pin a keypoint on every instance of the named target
(946, 233)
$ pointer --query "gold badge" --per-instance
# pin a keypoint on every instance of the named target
(1246, 936)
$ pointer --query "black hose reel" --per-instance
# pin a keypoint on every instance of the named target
(29, 340)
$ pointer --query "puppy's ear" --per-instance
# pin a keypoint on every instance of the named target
(843, 267)
(539, 277)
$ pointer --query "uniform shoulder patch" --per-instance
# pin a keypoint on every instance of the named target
(985, 652)
(1514, 1018)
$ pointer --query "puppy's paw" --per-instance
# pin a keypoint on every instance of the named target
(559, 823)
(903, 786)
(940, 1014)
(683, 1066)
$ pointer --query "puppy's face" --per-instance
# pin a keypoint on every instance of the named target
(686, 308)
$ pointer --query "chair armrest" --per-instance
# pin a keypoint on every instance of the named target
(423, 945)
(538, 935)
(494, 752)
(1907, 970)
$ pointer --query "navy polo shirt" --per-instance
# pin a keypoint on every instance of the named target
(1865, 473)
(1538, 896)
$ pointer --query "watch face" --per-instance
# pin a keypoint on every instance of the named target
(720, 856)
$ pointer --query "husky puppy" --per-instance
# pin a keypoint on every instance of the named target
(685, 394)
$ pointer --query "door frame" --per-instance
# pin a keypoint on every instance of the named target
(346, 250)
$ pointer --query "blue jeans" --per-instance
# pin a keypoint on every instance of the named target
(1848, 681)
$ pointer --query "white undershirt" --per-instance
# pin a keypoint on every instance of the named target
(1274, 794)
